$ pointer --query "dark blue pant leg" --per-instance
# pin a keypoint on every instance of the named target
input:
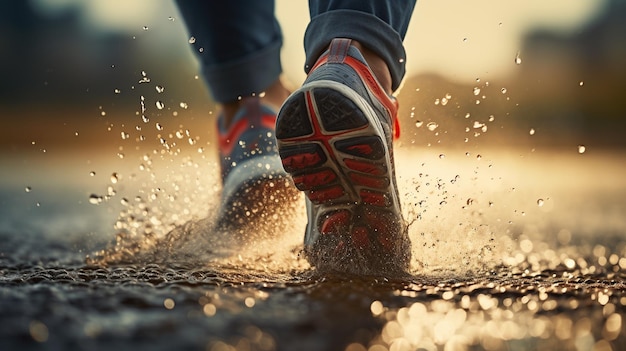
(378, 25)
(240, 41)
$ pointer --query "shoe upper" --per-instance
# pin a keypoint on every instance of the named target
(250, 135)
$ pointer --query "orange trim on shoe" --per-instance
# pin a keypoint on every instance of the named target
(227, 141)
(366, 74)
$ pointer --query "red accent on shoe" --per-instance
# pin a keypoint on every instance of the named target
(301, 161)
(390, 104)
(268, 121)
(360, 238)
(340, 246)
(374, 198)
(311, 180)
(326, 194)
(380, 224)
(362, 149)
(370, 182)
(228, 141)
(365, 167)
(335, 222)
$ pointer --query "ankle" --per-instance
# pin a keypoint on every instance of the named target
(377, 65)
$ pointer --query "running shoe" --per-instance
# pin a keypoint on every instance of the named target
(254, 183)
(335, 138)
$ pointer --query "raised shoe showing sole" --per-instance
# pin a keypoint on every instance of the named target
(335, 138)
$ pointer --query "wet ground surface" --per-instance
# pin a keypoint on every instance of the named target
(501, 262)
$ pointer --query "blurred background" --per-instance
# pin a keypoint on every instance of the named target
(73, 70)
(85, 84)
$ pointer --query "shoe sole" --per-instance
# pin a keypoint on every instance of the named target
(333, 145)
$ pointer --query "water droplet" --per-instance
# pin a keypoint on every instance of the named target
(125, 135)
(92, 173)
(581, 83)
(540, 202)
(581, 149)
(419, 124)
(95, 199)
(159, 89)
(144, 78)
(518, 59)
(442, 156)
(159, 104)
(183, 105)
(145, 27)
(478, 157)
(503, 90)
(192, 40)
(145, 119)
(158, 126)
(532, 131)
(170, 18)
(249, 302)
(169, 303)
(476, 91)
(28, 189)
(432, 126)
(117, 91)
(114, 178)
(401, 60)
(465, 40)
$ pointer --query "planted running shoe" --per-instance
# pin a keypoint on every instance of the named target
(335, 138)
(255, 185)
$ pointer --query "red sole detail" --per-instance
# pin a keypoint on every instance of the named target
(360, 238)
(365, 167)
(374, 198)
(336, 222)
(326, 194)
(311, 180)
(362, 149)
(301, 161)
(371, 182)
